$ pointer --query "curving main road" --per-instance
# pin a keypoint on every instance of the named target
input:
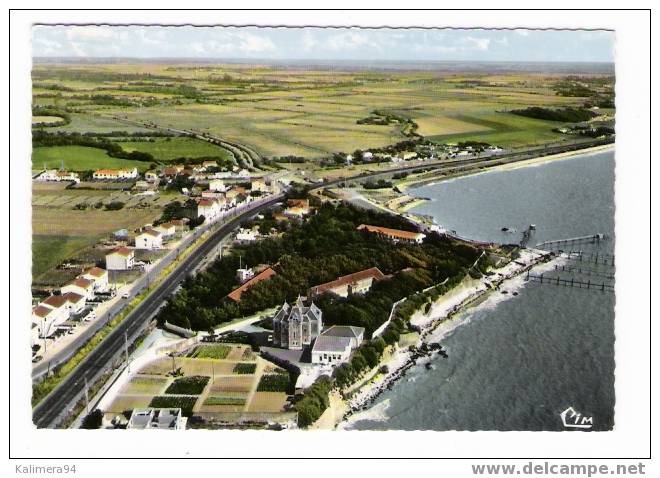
(50, 412)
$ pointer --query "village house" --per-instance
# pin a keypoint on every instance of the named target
(295, 326)
(75, 302)
(115, 173)
(297, 208)
(209, 208)
(217, 185)
(367, 156)
(81, 286)
(55, 175)
(149, 239)
(151, 176)
(166, 229)
(172, 171)
(245, 236)
(50, 313)
(259, 185)
(356, 283)
(99, 277)
(141, 185)
(47, 318)
(210, 164)
(266, 274)
(334, 345)
(394, 235)
(120, 259)
(210, 194)
(407, 155)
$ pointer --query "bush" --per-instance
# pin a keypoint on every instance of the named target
(93, 420)
(114, 206)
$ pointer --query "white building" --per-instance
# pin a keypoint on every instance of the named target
(55, 175)
(247, 235)
(157, 418)
(166, 229)
(115, 173)
(334, 345)
(120, 259)
(75, 302)
(259, 185)
(50, 313)
(99, 277)
(149, 239)
(209, 208)
(244, 274)
(80, 286)
(217, 185)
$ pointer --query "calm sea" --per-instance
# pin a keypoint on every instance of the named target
(516, 362)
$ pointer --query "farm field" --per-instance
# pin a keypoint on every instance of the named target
(167, 149)
(79, 158)
(66, 223)
(280, 111)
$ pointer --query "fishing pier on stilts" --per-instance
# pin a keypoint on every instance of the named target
(591, 239)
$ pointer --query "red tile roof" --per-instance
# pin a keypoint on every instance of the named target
(55, 301)
(81, 282)
(373, 273)
(122, 251)
(41, 311)
(96, 272)
(408, 235)
(235, 295)
(73, 297)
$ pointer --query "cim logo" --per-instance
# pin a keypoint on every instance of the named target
(571, 418)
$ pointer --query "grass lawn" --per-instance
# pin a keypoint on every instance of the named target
(49, 251)
(167, 149)
(80, 158)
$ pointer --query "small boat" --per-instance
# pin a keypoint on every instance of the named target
(515, 293)
(505, 229)
(428, 366)
(532, 227)
(505, 292)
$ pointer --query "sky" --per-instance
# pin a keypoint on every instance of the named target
(322, 43)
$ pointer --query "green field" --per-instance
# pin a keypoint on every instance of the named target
(309, 113)
(167, 149)
(215, 351)
(49, 251)
(79, 158)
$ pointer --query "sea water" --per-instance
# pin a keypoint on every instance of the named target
(517, 361)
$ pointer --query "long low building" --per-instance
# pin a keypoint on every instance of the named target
(394, 235)
(356, 283)
(266, 274)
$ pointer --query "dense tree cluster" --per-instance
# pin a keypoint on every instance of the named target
(315, 252)
(566, 115)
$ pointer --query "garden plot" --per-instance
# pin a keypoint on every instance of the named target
(269, 402)
(145, 385)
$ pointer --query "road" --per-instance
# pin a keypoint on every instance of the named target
(54, 407)
(472, 162)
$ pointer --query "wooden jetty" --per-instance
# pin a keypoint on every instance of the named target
(572, 282)
(590, 258)
(585, 271)
(591, 239)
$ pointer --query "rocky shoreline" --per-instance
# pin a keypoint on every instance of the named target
(427, 348)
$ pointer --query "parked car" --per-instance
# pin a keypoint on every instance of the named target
(126, 295)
